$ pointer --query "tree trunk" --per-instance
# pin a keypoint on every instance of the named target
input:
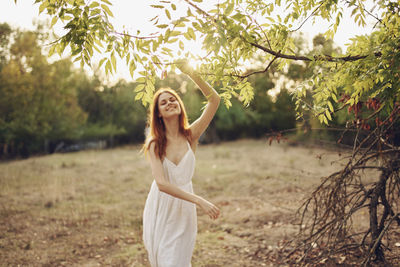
(378, 191)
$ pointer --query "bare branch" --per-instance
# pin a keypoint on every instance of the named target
(257, 72)
(320, 57)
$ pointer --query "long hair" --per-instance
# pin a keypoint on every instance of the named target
(156, 125)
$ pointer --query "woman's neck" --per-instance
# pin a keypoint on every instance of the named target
(172, 127)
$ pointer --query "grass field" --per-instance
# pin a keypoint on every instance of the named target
(85, 208)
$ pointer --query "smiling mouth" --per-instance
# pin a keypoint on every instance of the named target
(172, 107)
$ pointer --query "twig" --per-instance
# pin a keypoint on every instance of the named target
(369, 13)
(312, 14)
(257, 72)
(135, 36)
(259, 27)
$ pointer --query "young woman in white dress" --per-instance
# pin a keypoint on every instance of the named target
(169, 217)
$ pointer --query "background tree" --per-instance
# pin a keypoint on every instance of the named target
(112, 113)
(47, 106)
(5, 32)
(37, 101)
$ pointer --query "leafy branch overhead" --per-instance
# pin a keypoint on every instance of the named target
(234, 33)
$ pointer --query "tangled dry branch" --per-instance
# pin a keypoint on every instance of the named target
(369, 183)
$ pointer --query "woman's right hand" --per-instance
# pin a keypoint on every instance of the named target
(209, 208)
(183, 66)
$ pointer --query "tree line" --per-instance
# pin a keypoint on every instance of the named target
(51, 105)
(48, 105)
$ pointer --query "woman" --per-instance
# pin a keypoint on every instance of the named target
(169, 217)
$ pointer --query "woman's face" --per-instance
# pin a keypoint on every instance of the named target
(168, 105)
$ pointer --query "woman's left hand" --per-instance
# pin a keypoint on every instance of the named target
(209, 208)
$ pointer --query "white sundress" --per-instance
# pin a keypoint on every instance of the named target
(170, 223)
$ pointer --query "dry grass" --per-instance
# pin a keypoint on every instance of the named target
(85, 208)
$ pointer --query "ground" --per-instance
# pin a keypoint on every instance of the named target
(85, 208)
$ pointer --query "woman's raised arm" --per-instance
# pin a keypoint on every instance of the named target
(201, 124)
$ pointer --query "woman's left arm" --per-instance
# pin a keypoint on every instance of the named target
(201, 124)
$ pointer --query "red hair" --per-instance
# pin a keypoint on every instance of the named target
(156, 125)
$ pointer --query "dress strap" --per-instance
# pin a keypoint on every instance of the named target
(188, 143)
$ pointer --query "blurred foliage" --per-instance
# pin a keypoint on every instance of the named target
(37, 98)
(112, 111)
(44, 104)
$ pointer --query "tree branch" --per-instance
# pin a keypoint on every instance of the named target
(135, 36)
(378, 240)
(291, 57)
(369, 13)
(257, 72)
(301, 25)
(304, 58)
(200, 10)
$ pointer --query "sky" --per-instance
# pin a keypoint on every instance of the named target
(134, 14)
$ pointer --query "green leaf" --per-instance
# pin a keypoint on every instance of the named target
(191, 33)
(132, 67)
(113, 61)
(66, 18)
(52, 50)
(139, 95)
(175, 33)
(53, 21)
(94, 4)
(167, 13)
(139, 88)
(330, 106)
(328, 115)
(229, 9)
(187, 36)
(107, 10)
(180, 24)
(171, 41)
(162, 26)
(141, 80)
(157, 6)
(102, 61)
(108, 67)
(61, 47)
(43, 6)
(325, 120)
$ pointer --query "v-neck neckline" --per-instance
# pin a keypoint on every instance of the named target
(183, 157)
